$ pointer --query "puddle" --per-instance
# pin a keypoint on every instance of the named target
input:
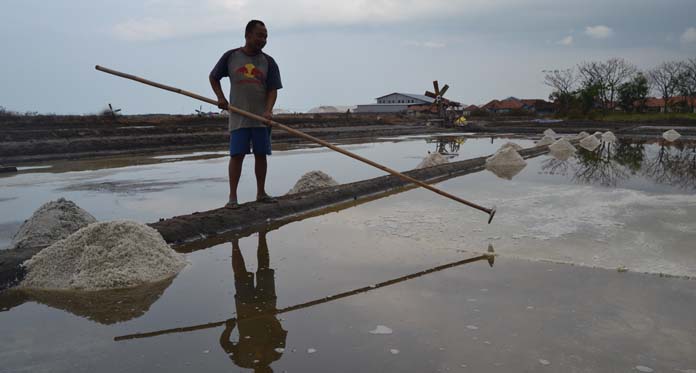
(409, 267)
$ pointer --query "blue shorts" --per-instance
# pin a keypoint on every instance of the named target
(244, 140)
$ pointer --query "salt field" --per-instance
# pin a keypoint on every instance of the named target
(595, 267)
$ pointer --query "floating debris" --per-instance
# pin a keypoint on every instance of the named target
(642, 368)
(562, 149)
(106, 255)
(590, 143)
(53, 221)
(671, 135)
(394, 351)
(544, 362)
(433, 159)
(546, 140)
(312, 180)
(608, 137)
(472, 327)
(381, 329)
(311, 350)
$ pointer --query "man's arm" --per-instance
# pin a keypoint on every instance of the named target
(217, 88)
(271, 97)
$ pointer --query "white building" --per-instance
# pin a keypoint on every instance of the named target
(394, 103)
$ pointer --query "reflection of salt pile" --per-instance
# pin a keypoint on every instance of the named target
(581, 135)
(590, 143)
(53, 221)
(546, 140)
(550, 133)
(562, 149)
(608, 137)
(505, 163)
(107, 255)
(671, 135)
(431, 160)
(312, 180)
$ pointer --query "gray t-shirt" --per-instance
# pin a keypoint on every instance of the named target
(251, 77)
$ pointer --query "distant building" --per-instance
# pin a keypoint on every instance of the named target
(676, 103)
(469, 109)
(395, 103)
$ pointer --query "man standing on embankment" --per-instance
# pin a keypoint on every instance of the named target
(254, 83)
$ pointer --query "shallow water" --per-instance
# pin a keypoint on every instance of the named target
(522, 314)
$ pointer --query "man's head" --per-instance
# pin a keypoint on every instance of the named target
(255, 35)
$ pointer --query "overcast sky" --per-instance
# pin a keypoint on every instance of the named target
(329, 52)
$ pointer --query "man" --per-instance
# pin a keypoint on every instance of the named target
(254, 83)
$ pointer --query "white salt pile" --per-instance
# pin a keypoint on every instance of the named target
(597, 134)
(107, 255)
(562, 149)
(608, 137)
(53, 221)
(505, 163)
(590, 143)
(671, 135)
(546, 140)
(513, 145)
(581, 135)
(312, 180)
(431, 160)
(550, 133)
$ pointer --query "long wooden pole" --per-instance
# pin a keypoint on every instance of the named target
(269, 122)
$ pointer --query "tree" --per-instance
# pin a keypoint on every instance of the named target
(562, 81)
(633, 92)
(687, 81)
(607, 77)
(664, 78)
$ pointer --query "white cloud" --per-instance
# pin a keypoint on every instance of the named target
(209, 16)
(599, 31)
(689, 36)
(568, 40)
(425, 44)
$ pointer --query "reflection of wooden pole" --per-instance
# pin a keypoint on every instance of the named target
(269, 122)
(490, 257)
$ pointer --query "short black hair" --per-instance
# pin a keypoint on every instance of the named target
(250, 26)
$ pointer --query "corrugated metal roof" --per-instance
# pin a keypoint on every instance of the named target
(412, 95)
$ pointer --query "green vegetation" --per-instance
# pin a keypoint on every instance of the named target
(638, 117)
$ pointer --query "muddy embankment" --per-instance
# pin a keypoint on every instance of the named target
(79, 138)
(202, 229)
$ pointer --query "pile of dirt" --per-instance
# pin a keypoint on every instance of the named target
(562, 149)
(590, 143)
(53, 221)
(671, 135)
(608, 137)
(312, 180)
(431, 160)
(546, 140)
(106, 255)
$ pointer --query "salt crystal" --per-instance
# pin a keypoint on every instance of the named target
(431, 160)
(381, 329)
(608, 137)
(394, 351)
(544, 362)
(312, 180)
(590, 143)
(311, 350)
(546, 140)
(671, 135)
(562, 149)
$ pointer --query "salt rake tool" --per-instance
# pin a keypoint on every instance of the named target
(269, 122)
(489, 256)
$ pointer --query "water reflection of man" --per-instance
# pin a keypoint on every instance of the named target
(261, 337)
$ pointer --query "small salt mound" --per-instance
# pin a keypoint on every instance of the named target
(550, 133)
(546, 140)
(53, 221)
(513, 145)
(581, 135)
(106, 255)
(505, 171)
(671, 135)
(597, 134)
(312, 180)
(505, 163)
(608, 137)
(590, 143)
(562, 149)
(431, 160)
